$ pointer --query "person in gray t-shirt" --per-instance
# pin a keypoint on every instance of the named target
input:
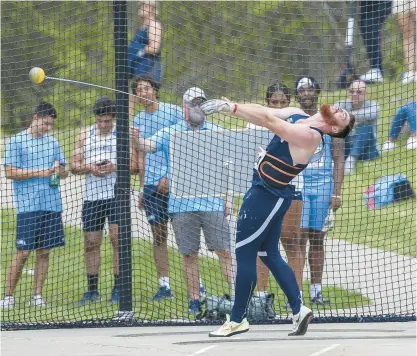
(362, 144)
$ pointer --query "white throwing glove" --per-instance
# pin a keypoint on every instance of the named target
(217, 105)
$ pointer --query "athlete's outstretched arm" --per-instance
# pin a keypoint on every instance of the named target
(272, 119)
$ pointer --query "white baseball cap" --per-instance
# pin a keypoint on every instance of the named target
(304, 81)
(193, 93)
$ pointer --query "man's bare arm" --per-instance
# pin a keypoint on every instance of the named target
(338, 152)
(146, 144)
(155, 38)
(78, 165)
(143, 144)
(24, 174)
(134, 157)
(272, 119)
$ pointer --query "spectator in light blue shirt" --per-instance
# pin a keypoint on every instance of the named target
(191, 214)
(31, 158)
(156, 116)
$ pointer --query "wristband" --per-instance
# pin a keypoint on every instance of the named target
(336, 196)
(234, 110)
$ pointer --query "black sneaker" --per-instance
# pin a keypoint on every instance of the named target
(319, 300)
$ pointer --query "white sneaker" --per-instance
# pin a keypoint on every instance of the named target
(374, 75)
(411, 143)
(388, 146)
(7, 302)
(350, 167)
(408, 77)
(230, 328)
(301, 321)
(37, 301)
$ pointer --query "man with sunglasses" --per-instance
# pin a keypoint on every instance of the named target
(362, 144)
(192, 214)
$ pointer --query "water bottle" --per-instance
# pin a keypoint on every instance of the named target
(54, 178)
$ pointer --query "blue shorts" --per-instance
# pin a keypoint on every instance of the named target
(39, 230)
(95, 213)
(155, 204)
(362, 143)
(315, 209)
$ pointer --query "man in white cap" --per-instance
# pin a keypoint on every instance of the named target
(193, 213)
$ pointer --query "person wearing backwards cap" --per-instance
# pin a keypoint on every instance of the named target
(190, 215)
(322, 190)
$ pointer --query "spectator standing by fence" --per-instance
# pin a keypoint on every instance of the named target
(32, 158)
(322, 190)
(372, 16)
(154, 199)
(95, 156)
(190, 215)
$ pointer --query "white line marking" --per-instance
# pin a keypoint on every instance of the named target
(203, 350)
(321, 352)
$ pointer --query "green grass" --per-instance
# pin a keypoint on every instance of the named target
(391, 228)
(66, 283)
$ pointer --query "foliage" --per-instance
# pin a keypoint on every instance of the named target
(68, 40)
(230, 48)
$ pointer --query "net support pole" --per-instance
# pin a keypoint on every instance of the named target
(232, 222)
(123, 158)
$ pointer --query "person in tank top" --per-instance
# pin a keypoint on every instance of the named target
(260, 218)
(95, 156)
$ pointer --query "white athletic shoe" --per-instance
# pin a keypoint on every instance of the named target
(7, 302)
(388, 146)
(230, 328)
(350, 166)
(411, 143)
(408, 77)
(37, 301)
(374, 75)
(300, 321)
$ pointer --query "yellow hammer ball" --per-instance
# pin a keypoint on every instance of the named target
(37, 75)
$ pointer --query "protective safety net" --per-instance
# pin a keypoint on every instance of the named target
(121, 193)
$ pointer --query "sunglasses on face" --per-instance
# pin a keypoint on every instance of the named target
(196, 102)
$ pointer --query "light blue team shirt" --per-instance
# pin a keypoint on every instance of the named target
(27, 152)
(149, 124)
(183, 205)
